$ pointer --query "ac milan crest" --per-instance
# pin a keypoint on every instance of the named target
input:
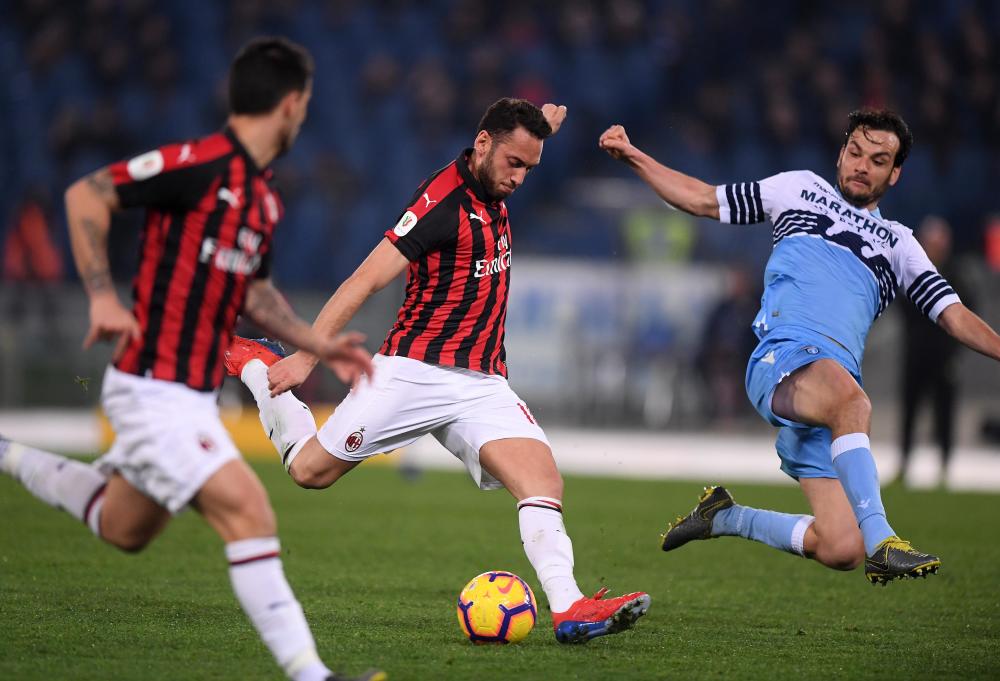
(354, 440)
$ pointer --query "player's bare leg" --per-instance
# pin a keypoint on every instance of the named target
(849, 521)
(834, 538)
(128, 518)
(315, 468)
(112, 509)
(825, 394)
(527, 469)
(235, 504)
(288, 422)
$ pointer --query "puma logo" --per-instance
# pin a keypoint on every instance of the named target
(429, 200)
(230, 196)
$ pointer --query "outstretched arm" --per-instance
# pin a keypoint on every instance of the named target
(969, 329)
(680, 191)
(343, 353)
(381, 266)
(89, 204)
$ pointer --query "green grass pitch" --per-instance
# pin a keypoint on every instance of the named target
(378, 562)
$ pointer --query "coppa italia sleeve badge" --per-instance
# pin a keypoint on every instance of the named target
(146, 165)
(406, 223)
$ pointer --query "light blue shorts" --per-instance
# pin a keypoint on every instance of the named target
(804, 450)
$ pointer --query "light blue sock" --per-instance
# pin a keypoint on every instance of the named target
(781, 530)
(854, 463)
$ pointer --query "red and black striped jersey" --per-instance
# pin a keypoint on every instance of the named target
(210, 216)
(457, 240)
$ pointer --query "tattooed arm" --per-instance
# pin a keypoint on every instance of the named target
(89, 203)
(268, 309)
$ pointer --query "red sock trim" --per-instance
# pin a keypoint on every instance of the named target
(541, 504)
(254, 559)
(98, 493)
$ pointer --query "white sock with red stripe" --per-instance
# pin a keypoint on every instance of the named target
(67, 484)
(288, 422)
(549, 550)
(259, 583)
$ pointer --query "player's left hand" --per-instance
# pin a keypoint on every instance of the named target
(555, 115)
(615, 141)
(347, 357)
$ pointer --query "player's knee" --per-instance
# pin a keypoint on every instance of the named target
(556, 482)
(258, 519)
(310, 477)
(252, 517)
(853, 411)
(128, 541)
(844, 553)
(858, 407)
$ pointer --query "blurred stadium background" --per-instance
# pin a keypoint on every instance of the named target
(629, 324)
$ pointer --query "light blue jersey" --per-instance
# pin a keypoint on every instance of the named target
(833, 271)
(835, 268)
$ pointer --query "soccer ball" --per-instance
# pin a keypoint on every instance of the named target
(496, 607)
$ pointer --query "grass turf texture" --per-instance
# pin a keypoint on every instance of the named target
(378, 562)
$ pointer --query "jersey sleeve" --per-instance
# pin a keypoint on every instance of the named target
(424, 226)
(748, 203)
(264, 270)
(163, 178)
(925, 287)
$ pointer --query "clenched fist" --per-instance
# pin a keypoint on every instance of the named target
(616, 143)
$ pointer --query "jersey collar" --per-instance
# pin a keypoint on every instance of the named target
(251, 164)
(462, 163)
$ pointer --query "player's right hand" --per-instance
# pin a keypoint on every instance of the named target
(109, 319)
(290, 372)
(616, 143)
(554, 116)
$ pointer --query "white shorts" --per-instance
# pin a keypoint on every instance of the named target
(168, 438)
(408, 398)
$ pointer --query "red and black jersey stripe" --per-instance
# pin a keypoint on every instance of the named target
(210, 217)
(457, 239)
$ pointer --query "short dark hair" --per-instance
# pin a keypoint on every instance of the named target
(882, 119)
(264, 71)
(507, 114)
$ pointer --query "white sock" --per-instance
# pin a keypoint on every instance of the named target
(67, 484)
(288, 422)
(549, 550)
(261, 588)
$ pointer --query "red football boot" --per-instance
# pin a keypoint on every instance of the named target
(592, 617)
(242, 350)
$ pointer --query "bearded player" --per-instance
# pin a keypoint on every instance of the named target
(836, 266)
(442, 369)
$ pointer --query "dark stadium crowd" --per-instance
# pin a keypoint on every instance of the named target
(724, 89)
